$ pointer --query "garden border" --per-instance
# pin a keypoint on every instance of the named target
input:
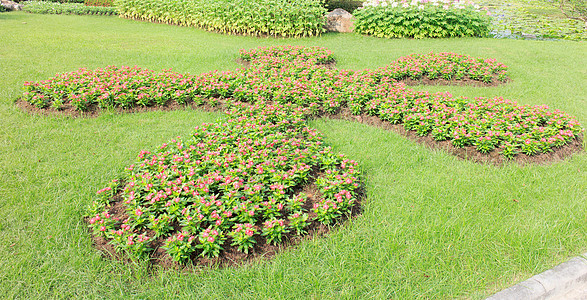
(555, 283)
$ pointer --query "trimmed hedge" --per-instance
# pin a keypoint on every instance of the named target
(286, 18)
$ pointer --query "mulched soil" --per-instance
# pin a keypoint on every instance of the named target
(230, 256)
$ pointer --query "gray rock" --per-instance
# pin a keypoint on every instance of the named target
(11, 5)
(339, 20)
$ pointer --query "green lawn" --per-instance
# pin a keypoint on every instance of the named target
(433, 226)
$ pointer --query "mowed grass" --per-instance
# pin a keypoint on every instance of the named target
(433, 226)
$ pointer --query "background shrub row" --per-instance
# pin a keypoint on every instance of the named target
(420, 20)
(250, 17)
(43, 7)
(348, 5)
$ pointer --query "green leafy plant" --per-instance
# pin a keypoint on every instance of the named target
(249, 17)
(211, 241)
(243, 236)
(180, 246)
(273, 230)
(420, 19)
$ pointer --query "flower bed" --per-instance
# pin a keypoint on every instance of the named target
(238, 186)
(420, 19)
(238, 183)
(250, 17)
(42, 7)
(293, 75)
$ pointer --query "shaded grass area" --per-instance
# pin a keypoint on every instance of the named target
(433, 226)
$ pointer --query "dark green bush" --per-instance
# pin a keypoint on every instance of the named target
(418, 20)
(348, 5)
(292, 18)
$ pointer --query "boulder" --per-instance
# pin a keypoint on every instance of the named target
(339, 20)
(11, 5)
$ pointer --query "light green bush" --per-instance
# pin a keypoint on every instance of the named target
(294, 18)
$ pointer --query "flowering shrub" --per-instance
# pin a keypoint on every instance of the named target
(45, 7)
(295, 75)
(250, 17)
(229, 182)
(420, 19)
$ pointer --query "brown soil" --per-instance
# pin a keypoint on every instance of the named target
(468, 153)
(463, 82)
(331, 65)
(230, 256)
(70, 111)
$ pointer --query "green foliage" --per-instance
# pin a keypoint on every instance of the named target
(420, 22)
(574, 9)
(249, 17)
(348, 5)
(105, 3)
(541, 19)
(44, 7)
(2, 8)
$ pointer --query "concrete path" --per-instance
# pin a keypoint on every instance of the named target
(567, 281)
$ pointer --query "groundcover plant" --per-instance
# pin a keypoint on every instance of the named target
(262, 175)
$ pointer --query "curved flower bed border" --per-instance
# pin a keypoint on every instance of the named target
(237, 189)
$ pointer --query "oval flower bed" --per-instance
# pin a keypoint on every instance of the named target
(236, 186)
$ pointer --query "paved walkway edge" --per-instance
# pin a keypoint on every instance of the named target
(550, 284)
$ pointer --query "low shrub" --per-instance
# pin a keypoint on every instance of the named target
(295, 75)
(348, 5)
(420, 19)
(228, 184)
(249, 17)
(103, 3)
(43, 7)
